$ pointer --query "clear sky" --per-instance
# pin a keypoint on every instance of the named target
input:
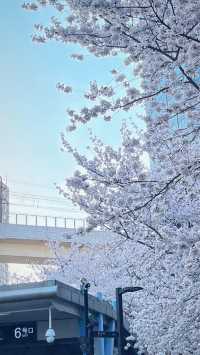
(33, 112)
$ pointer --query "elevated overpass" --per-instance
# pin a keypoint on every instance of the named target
(29, 310)
(25, 244)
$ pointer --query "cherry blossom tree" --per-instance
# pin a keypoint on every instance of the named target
(156, 213)
(153, 211)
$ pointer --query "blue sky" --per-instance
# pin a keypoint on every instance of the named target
(32, 111)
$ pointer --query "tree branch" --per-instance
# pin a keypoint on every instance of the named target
(142, 98)
(189, 78)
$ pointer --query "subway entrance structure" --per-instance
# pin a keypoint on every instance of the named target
(27, 311)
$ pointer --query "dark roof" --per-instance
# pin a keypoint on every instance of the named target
(51, 291)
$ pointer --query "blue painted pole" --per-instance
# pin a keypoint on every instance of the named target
(100, 341)
(109, 342)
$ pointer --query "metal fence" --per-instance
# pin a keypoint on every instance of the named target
(46, 221)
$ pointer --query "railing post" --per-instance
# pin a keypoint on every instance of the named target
(72, 223)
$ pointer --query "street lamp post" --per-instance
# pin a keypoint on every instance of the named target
(85, 285)
(119, 308)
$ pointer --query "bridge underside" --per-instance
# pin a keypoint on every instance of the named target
(24, 244)
(26, 251)
(30, 244)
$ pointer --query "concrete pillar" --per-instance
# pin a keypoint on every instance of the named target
(109, 342)
(99, 342)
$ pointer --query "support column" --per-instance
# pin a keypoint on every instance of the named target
(99, 342)
(109, 342)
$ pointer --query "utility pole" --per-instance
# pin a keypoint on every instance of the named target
(119, 307)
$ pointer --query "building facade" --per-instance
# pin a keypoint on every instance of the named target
(4, 202)
(4, 218)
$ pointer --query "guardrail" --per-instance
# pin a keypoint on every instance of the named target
(46, 221)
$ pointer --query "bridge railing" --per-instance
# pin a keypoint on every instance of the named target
(46, 221)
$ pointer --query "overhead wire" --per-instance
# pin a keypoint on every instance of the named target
(28, 183)
(37, 197)
(17, 198)
(43, 207)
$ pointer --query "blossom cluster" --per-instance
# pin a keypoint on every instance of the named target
(153, 212)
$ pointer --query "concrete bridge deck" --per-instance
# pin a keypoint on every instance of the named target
(25, 244)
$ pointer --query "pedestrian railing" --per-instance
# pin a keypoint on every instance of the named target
(46, 221)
